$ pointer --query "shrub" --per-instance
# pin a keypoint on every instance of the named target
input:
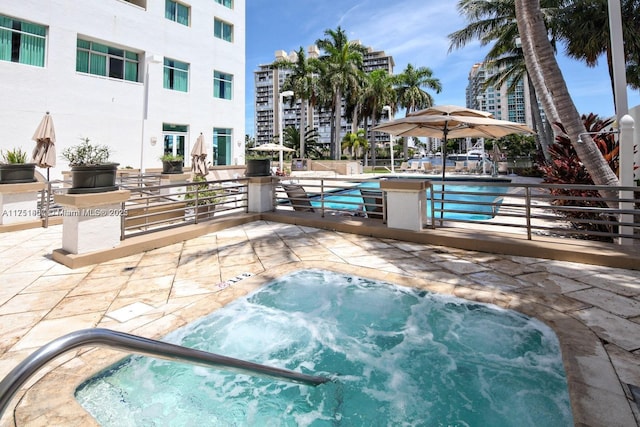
(565, 167)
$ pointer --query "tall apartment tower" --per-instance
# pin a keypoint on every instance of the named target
(144, 77)
(268, 86)
(515, 106)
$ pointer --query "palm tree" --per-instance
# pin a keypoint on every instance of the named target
(303, 81)
(494, 22)
(552, 89)
(355, 141)
(409, 88)
(292, 138)
(409, 85)
(584, 26)
(340, 70)
(378, 91)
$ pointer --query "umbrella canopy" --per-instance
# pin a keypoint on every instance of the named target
(44, 154)
(199, 157)
(272, 148)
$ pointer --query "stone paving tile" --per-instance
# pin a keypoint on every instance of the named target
(22, 303)
(626, 285)
(48, 330)
(611, 328)
(461, 266)
(553, 283)
(55, 283)
(497, 280)
(609, 301)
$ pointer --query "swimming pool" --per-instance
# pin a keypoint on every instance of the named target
(461, 201)
(400, 357)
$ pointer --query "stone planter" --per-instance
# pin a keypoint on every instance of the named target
(93, 179)
(17, 173)
(172, 166)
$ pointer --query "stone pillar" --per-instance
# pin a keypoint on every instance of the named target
(406, 203)
(91, 222)
(19, 202)
(261, 194)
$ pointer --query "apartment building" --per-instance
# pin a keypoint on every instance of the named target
(145, 77)
(268, 84)
(514, 106)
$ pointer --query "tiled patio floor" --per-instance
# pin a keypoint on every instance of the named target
(594, 310)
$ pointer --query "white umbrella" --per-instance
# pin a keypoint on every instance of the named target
(44, 153)
(271, 147)
(199, 157)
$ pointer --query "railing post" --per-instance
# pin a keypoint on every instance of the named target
(626, 178)
(527, 209)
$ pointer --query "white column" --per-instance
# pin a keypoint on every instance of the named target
(260, 194)
(406, 203)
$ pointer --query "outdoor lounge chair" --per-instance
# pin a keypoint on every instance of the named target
(472, 165)
(373, 203)
(426, 167)
(415, 166)
(460, 166)
(298, 198)
(404, 166)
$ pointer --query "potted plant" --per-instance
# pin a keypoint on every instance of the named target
(91, 170)
(14, 168)
(203, 198)
(171, 163)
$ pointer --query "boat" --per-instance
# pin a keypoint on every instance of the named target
(469, 155)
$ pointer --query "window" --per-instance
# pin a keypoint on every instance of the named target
(222, 85)
(174, 137)
(227, 3)
(223, 30)
(222, 146)
(102, 60)
(22, 42)
(176, 75)
(177, 12)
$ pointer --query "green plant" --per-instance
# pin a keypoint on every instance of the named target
(565, 167)
(87, 154)
(202, 193)
(171, 158)
(14, 157)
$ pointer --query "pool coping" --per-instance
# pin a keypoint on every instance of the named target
(596, 395)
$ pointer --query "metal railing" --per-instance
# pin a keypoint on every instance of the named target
(534, 210)
(159, 207)
(143, 346)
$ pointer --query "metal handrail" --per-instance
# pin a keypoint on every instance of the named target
(143, 346)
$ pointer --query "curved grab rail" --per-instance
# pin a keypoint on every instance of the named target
(143, 346)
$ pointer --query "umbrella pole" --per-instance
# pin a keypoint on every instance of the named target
(444, 167)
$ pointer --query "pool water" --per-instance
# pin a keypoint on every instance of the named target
(477, 202)
(398, 356)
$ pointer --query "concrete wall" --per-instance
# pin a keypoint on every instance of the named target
(110, 111)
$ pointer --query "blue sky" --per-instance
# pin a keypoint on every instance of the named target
(412, 31)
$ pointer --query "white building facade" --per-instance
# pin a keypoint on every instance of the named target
(145, 77)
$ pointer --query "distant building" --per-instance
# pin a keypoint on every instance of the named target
(268, 86)
(514, 106)
(144, 77)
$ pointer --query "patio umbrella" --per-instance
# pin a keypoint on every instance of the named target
(273, 148)
(451, 121)
(44, 153)
(199, 157)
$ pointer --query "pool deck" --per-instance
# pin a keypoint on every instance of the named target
(594, 310)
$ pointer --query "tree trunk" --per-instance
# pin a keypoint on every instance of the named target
(553, 93)
(303, 128)
(337, 121)
(544, 138)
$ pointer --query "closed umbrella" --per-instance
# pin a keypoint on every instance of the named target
(199, 157)
(44, 153)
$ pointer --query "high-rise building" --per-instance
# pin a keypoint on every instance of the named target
(144, 77)
(514, 106)
(268, 86)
